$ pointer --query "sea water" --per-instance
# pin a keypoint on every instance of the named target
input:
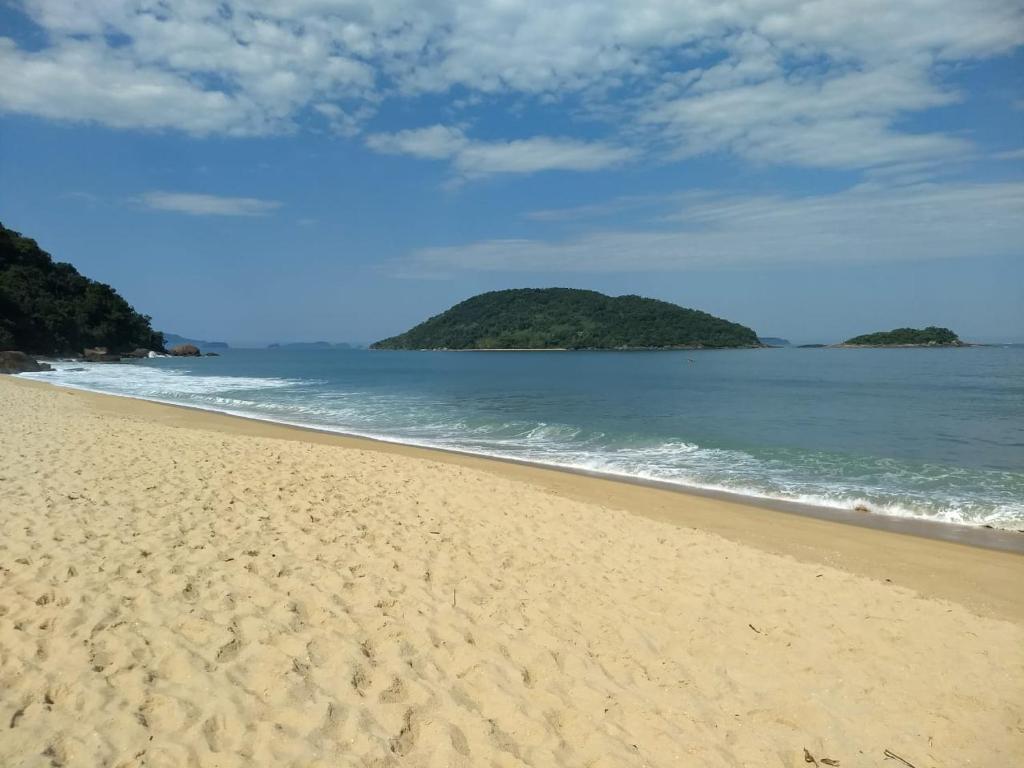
(930, 433)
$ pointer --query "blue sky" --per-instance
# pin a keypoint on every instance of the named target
(312, 169)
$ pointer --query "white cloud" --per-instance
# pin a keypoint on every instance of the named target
(81, 82)
(482, 158)
(208, 205)
(1010, 154)
(539, 154)
(435, 142)
(868, 223)
(822, 83)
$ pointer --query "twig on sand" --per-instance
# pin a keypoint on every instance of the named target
(890, 755)
(759, 632)
(809, 758)
(453, 597)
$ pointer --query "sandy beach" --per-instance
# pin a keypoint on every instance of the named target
(181, 588)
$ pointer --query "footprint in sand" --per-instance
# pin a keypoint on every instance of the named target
(459, 741)
(360, 680)
(394, 693)
(214, 733)
(229, 651)
(405, 741)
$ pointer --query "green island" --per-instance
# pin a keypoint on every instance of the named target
(48, 308)
(931, 336)
(570, 318)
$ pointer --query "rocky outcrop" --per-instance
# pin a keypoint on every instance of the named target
(99, 355)
(19, 362)
(185, 350)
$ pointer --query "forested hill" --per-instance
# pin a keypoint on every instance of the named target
(47, 307)
(568, 318)
(931, 336)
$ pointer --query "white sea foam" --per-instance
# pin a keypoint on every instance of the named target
(149, 381)
(810, 479)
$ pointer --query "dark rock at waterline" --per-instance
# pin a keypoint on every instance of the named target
(18, 362)
(185, 350)
(212, 354)
(138, 353)
(99, 355)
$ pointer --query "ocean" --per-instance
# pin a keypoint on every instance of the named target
(926, 433)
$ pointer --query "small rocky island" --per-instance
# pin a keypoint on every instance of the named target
(931, 336)
(570, 318)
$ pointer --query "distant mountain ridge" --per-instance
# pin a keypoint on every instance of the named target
(48, 308)
(570, 318)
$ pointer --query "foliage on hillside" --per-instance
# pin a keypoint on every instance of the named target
(554, 318)
(902, 336)
(47, 307)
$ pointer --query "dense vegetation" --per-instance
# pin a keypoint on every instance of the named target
(931, 335)
(47, 307)
(556, 318)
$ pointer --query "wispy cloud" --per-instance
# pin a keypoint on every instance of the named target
(208, 205)
(827, 119)
(598, 210)
(864, 224)
(473, 159)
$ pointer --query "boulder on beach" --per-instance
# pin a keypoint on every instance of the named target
(185, 350)
(18, 362)
(138, 353)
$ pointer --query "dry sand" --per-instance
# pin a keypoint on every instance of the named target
(179, 588)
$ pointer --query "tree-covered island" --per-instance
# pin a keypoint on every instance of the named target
(931, 336)
(570, 318)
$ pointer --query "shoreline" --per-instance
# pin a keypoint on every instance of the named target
(963, 564)
(186, 587)
(980, 536)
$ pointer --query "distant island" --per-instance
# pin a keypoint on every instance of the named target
(931, 336)
(173, 339)
(312, 345)
(569, 318)
(48, 308)
(773, 341)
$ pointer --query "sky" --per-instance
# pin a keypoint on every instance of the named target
(342, 169)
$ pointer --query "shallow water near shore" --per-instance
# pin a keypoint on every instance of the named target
(929, 433)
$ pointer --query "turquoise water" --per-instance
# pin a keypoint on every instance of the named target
(934, 433)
